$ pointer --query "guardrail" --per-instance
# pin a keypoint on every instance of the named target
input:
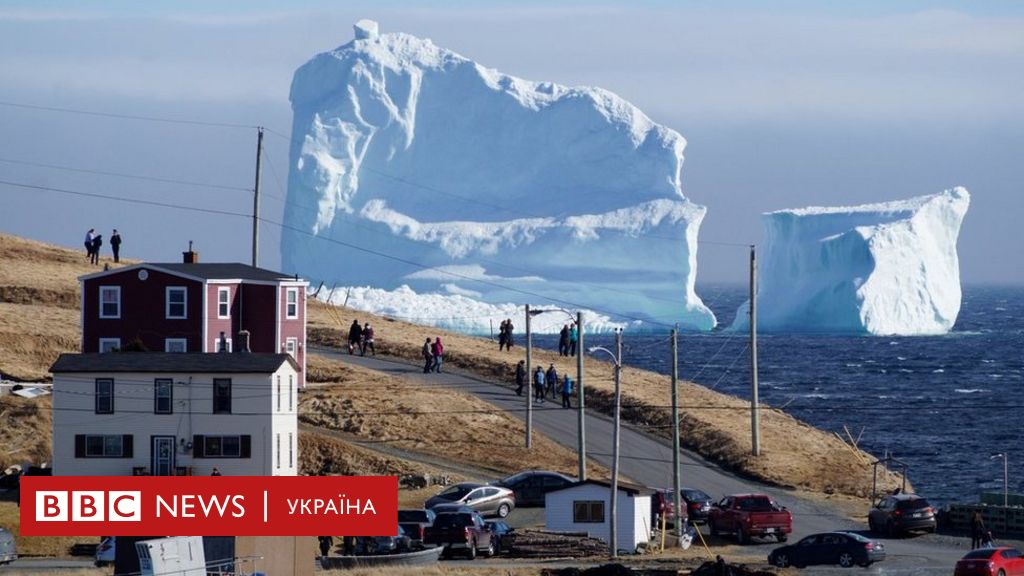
(1001, 520)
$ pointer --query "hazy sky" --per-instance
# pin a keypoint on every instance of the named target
(807, 103)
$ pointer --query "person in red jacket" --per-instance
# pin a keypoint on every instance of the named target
(437, 350)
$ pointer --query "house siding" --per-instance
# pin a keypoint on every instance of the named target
(142, 311)
(294, 327)
(216, 325)
(634, 514)
(253, 413)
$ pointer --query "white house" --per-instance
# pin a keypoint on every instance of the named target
(585, 507)
(153, 413)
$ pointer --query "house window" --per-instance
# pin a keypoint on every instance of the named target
(109, 345)
(223, 302)
(278, 451)
(104, 395)
(278, 392)
(217, 344)
(176, 345)
(233, 446)
(588, 511)
(176, 308)
(103, 446)
(290, 344)
(291, 391)
(222, 396)
(291, 450)
(292, 303)
(110, 301)
(163, 396)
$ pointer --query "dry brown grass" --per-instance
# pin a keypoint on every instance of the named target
(396, 412)
(440, 570)
(713, 424)
(58, 572)
(50, 546)
(25, 429)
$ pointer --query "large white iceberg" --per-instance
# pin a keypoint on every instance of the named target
(412, 165)
(888, 268)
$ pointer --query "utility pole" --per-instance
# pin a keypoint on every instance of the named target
(755, 417)
(613, 540)
(581, 436)
(529, 380)
(256, 200)
(675, 434)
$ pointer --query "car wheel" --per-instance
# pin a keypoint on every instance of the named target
(1001, 572)
(490, 549)
(846, 560)
(471, 552)
(741, 535)
(503, 510)
(782, 536)
(781, 560)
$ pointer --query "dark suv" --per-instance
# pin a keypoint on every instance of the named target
(901, 513)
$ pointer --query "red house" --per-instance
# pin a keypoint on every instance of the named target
(187, 307)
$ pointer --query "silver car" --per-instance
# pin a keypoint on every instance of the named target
(487, 500)
(8, 551)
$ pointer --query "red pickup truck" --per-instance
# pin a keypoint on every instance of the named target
(463, 531)
(749, 515)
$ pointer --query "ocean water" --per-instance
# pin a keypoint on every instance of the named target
(942, 404)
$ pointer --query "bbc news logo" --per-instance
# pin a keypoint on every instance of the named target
(88, 506)
(208, 506)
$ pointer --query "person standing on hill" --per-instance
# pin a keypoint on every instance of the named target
(355, 337)
(115, 245)
(566, 391)
(89, 237)
(574, 337)
(502, 335)
(520, 377)
(538, 385)
(977, 530)
(428, 356)
(97, 243)
(438, 353)
(563, 341)
(509, 341)
(551, 379)
(368, 340)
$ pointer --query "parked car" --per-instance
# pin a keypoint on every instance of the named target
(530, 487)
(415, 522)
(663, 504)
(901, 513)
(461, 531)
(749, 515)
(105, 551)
(843, 548)
(1000, 561)
(8, 549)
(504, 536)
(698, 505)
(489, 500)
(392, 544)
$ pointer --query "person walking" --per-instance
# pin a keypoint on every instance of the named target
(97, 243)
(566, 391)
(509, 341)
(551, 379)
(520, 377)
(368, 340)
(326, 543)
(115, 245)
(428, 356)
(563, 341)
(574, 337)
(538, 385)
(501, 336)
(89, 237)
(977, 529)
(437, 351)
(355, 337)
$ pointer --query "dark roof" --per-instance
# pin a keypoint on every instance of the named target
(627, 487)
(222, 271)
(236, 363)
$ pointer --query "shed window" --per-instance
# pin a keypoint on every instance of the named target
(163, 396)
(222, 396)
(110, 301)
(588, 511)
(104, 395)
(177, 308)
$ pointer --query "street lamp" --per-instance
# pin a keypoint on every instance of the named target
(1006, 477)
(581, 436)
(614, 512)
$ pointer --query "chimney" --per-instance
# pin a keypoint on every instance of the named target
(190, 257)
(223, 347)
(243, 342)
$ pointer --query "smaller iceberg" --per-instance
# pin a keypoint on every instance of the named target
(881, 269)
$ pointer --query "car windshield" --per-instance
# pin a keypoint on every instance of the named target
(412, 516)
(453, 520)
(980, 554)
(695, 495)
(456, 492)
(755, 504)
(913, 504)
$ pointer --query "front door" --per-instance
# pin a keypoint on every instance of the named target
(163, 456)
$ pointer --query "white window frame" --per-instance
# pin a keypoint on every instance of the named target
(291, 392)
(224, 292)
(115, 341)
(278, 392)
(291, 346)
(216, 344)
(117, 290)
(170, 341)
(167, 303)
(291, 450)
(291, 309)
(278, 451)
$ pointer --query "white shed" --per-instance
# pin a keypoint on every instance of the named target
(586, 507)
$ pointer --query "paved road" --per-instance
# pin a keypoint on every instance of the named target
(647, 460)
(34, 565)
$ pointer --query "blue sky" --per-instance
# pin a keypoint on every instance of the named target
(805, 103)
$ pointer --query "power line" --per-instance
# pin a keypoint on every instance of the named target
(127, 116)
(123, 175)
